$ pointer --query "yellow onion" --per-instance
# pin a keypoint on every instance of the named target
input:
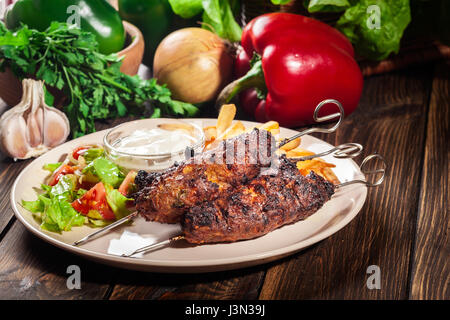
(194, 63)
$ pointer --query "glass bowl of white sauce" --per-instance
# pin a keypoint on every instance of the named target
(153, 144)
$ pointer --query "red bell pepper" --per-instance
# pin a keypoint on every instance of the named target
(295, 62)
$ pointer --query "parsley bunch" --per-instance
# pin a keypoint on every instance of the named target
(67, 59)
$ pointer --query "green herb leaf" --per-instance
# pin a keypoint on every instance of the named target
(67, 58)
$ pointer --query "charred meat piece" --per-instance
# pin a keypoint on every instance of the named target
(166, 196)
(252, 210)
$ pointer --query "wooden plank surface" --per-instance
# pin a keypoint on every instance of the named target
(430, 264)
(390, 120)
(33, 269)
(241, 284)
(409, 212)
(8, 173)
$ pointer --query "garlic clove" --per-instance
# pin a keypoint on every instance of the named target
(55, 132)
(14, 137)
(31, 128)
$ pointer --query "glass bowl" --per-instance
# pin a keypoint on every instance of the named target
(152, 161)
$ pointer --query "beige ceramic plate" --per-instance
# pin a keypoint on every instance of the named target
(182, 257)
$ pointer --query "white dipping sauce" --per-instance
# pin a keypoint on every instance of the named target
(151, 149)
(154, 141)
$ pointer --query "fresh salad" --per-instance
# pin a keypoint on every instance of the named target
(86, 188)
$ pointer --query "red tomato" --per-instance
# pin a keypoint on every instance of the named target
(63, 170)
(94, 199)
(79, 151)
(127, 183)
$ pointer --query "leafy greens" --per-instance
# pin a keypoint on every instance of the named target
(375, 27)
(217, 15)
(54, 209)
(67, 59)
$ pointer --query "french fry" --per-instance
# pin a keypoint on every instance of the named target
(298, 152)
(236, 129)
(210, 133)
(272, 126)
(177, 126)
(226, 129)
(320, 167)
(291, 145)
(329, 175)
(225, 118)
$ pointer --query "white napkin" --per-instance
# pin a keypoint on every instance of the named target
(128, 243)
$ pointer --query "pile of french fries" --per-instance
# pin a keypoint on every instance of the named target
(226, 128)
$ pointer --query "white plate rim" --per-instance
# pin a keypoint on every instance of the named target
(186, 266)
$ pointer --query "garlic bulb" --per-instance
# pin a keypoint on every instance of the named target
(31, 128)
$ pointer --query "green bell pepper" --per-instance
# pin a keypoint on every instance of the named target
(96, 16)
(155, 19)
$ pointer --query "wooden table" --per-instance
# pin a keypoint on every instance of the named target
(402, 228)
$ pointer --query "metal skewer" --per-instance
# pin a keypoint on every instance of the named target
(382, 171)
(316, 118)
(346, 150)
(154, 246)
(106, 229)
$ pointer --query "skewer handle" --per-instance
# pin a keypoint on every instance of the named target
(382, 171)
(154, 246)
(343, 151)
(105, 229)
(316, 117)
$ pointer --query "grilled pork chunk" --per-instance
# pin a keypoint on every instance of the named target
(254, 209)
(166, 196)
(222, 201)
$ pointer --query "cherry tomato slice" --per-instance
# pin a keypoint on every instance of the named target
(63, 170)
(79, 151)
(128, 183)
(94, 199)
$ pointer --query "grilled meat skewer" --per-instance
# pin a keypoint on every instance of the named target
(244, 199)
(252, 210)
(166, 196)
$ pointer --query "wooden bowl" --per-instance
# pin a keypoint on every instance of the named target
(133, 52)
(11, 87)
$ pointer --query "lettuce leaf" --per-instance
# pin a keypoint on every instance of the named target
(107, 171)
(218, 16)
(279, 2)
(372, 40)
(52, 166)
(54, 209)
(186, 8)
(117, 202)
(92, 154)
(59, 215)
(327, 5)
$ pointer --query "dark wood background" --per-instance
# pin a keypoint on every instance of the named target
(402, 228)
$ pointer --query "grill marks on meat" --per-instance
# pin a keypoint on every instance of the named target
(219, 202)
(166, 196)
(265, 204)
